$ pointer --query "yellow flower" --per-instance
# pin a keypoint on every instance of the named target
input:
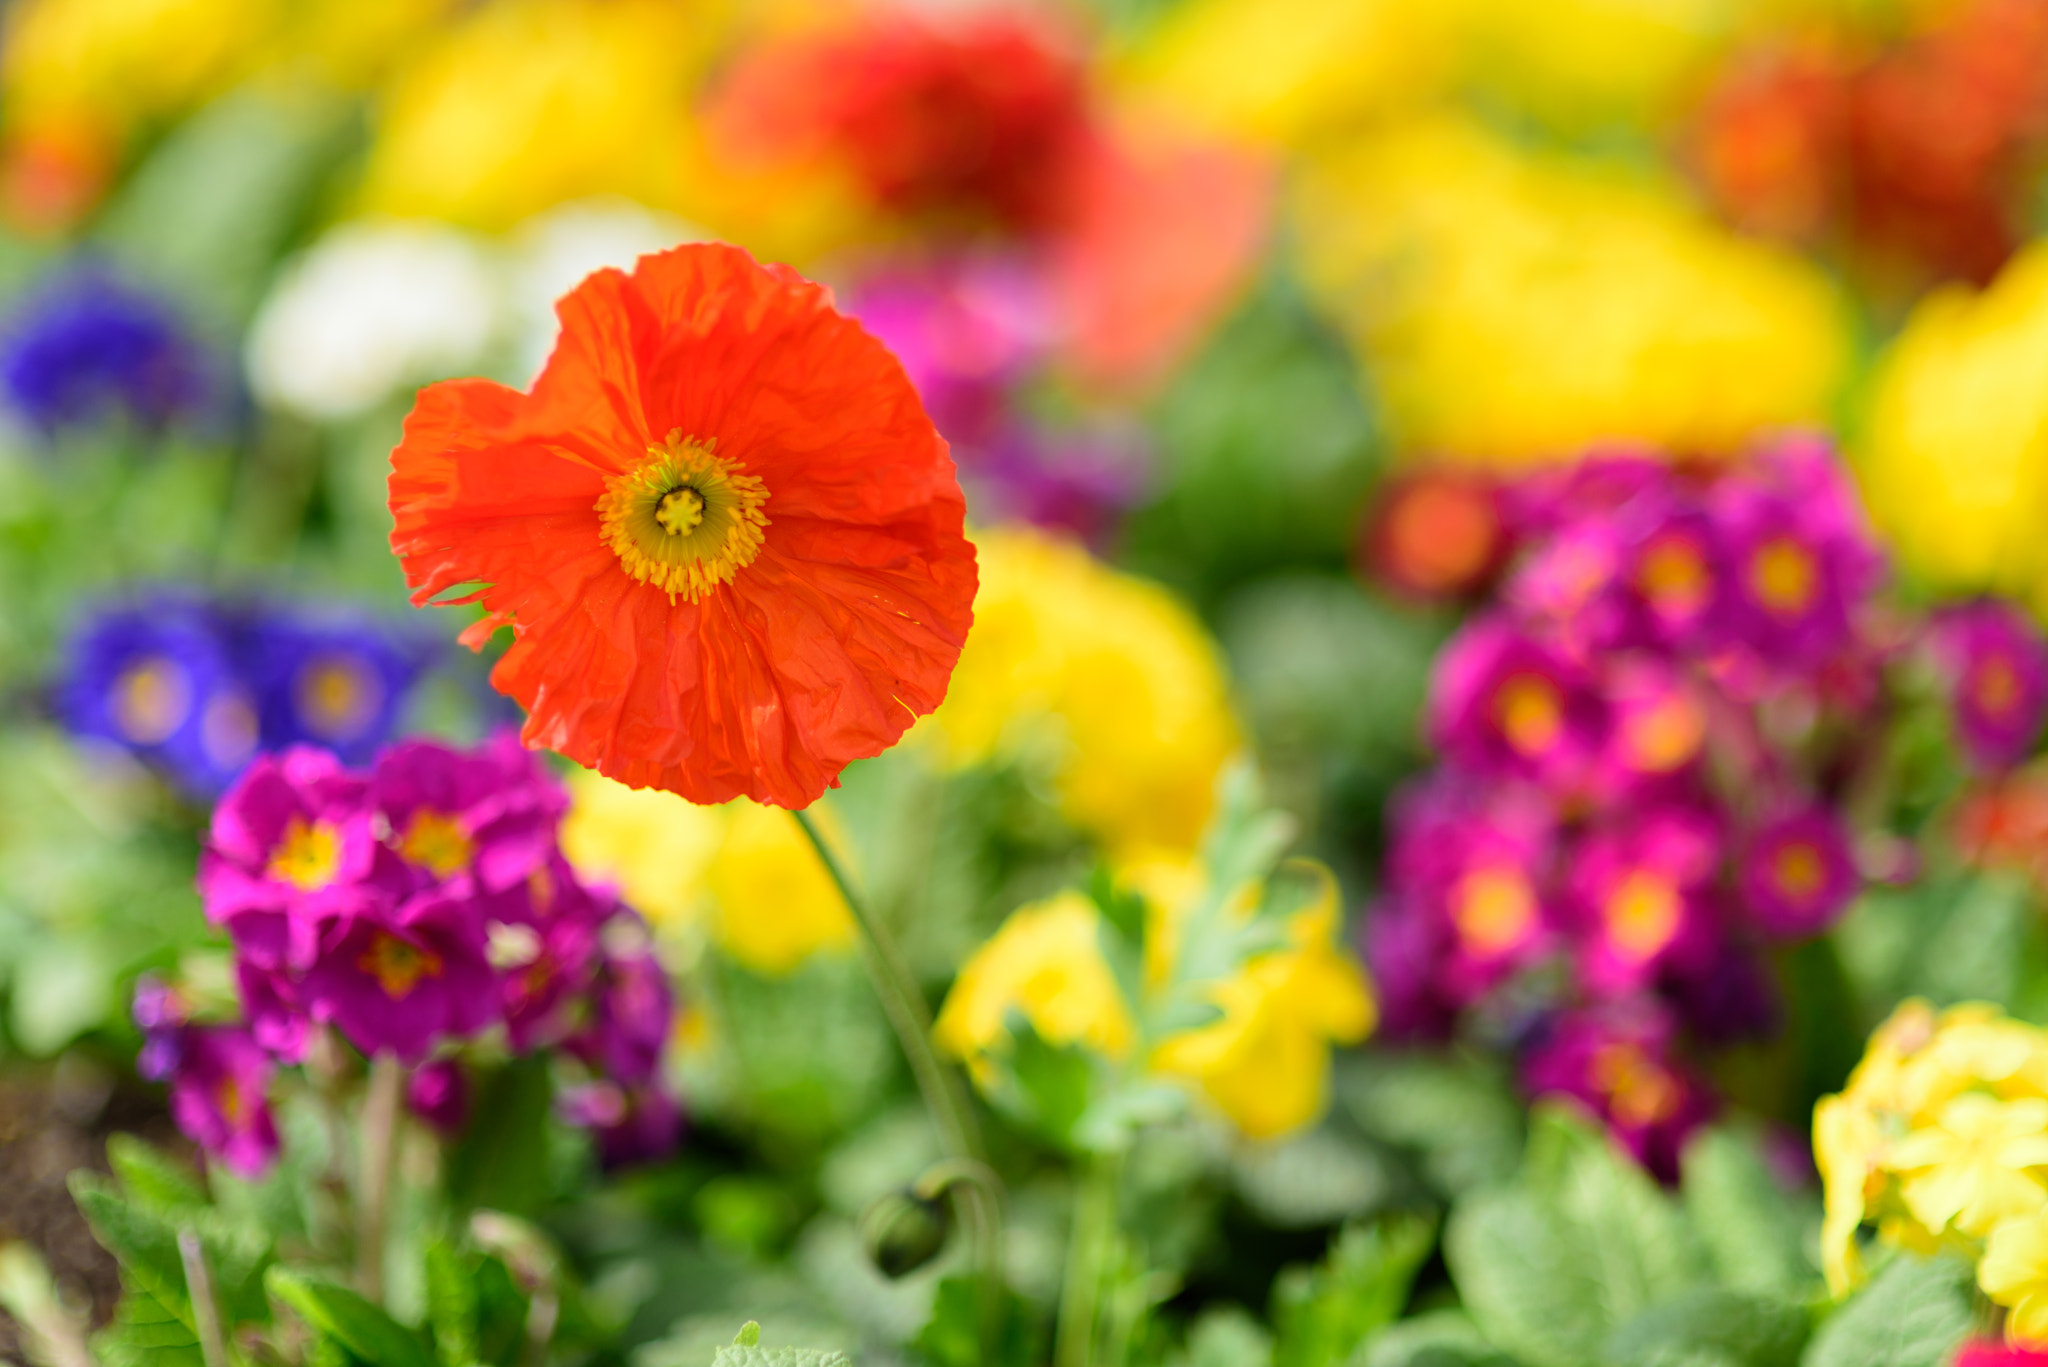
(1046, 962)
(1954, 455)
(2014, 1274)
(1846, 1143)
(115, 63)
(742, 872)
(1107, 678)
(1969, 1170)
(528, 103)
(1266, 1063)
(1510, 307)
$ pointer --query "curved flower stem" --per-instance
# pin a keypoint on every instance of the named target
(944, 1097)
(1089, 1244)
(373, 1191)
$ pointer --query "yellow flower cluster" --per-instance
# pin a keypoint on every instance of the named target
(1512, 307)
(1263, 1063)
(1107, 679)
(1954, 456)
(1941, 1140)
(744, 874)
(1289, 71)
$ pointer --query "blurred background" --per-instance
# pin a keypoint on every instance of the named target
(1268, 336)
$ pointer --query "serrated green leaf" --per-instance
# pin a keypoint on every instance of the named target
(143, 1243)
(145, 1333)
(1322, 1314)
(1913, 1313)
(342, 1315)
(748, 1355)
(1583, 1244)
(1749, 1330)
(1754, 1229)
(151, 1177)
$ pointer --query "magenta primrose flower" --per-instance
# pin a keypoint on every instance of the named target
(1798, 873)
(1503, 703)
(1996, 664)
(490, 814)
(1619, 1066)
(1640, 896)
(398, 979)
(219, 1096)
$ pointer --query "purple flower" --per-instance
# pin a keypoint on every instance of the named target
(291, 847)
(272, 1008)
(1801, 561)
(399, 981)
(489, 814)
(1568, 586)
(218, 1097)
(1072, 480)
(1997, 668)
(438, 1093)
(1615, 488)
(1477, 862)
(1676, 579)
(1503, 703)
(1659, 725)
(1725, 998)
(87, 346)
(1798, 873)
(1639, 893)
(156, 677)
(332, 679)
(1619, 1066)
(632, 1125)
(160, 1013)
(1406, 948)
(631, 1010)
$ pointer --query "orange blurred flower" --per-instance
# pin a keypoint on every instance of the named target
(1435, 534)
(725, 535)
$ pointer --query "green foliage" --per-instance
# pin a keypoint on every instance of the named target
(1455, 1115)
(1321, 1315)
(1754, 1230)
(501, 1160)
(1912, 1313)
(746, 1351)
(340, 1314)
(952, 1337)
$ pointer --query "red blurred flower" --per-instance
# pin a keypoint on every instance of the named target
(980, 119)
(724, 533)
(1435, 534)
(1992, 1353)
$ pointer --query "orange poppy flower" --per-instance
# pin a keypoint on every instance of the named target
(725, 535)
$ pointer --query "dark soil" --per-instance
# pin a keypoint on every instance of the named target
(54, 1120)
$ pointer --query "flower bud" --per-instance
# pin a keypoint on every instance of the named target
(903, 1231)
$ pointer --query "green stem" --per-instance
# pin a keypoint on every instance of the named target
(373, 1191)
(1089, 1244)
(944, 1096)
(213, 1350)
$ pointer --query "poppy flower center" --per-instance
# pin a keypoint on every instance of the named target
(152, 698)
(685, 520)
(1495, 910)
(436, 842)
(309, 856)
(1643, 915)
(398, 965)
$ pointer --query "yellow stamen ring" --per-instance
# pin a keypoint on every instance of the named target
(685, 520)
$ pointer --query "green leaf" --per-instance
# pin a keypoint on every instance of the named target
(1457, 1114)
(952, 1336)
(1046, 1086)
(152, 1178)
(451, 1303)
(1319, 1177)
(1440, 1338)
(1583, 1244)
(143, 1243)
(1913, 1313)
(340, 1314)
(1226, 1336)
(1322, 1314)
(145, 1333)
(1752, 1331)
(501, 1160)
(1753, 1228)
(746, 1351)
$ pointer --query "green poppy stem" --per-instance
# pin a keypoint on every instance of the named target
(945, 1097)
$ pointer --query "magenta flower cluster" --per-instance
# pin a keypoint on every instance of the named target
(410, 908)
(1650, 734)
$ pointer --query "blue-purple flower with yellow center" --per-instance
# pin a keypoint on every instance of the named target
(156, 678)
(1996, 664)
(86, 347)
(1619, 1066)
(398, 982)
(1639, 897)
(219, 1097)
(1798, 873)
(333, 681)
(1503, 703)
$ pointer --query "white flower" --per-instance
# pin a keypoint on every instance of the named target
(373, 305)
(552, 252)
